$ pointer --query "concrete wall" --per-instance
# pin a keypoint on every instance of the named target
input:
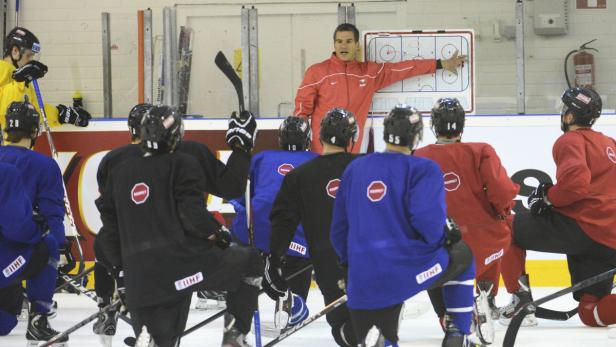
(70, 32)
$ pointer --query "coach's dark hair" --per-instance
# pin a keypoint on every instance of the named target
(347, 27)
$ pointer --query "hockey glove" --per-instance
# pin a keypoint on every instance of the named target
(29, 72)
(538, 202)
(453, 234)
(275, 285)
(67, 261)
(242, 131)
(342, 283)
(223, 237)
(73, 115)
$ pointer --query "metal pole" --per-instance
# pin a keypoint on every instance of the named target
(148, 57)
(245, 45)
(519, 58)
(170, 57)
(254, 61)
(107, 100)
(346, 13)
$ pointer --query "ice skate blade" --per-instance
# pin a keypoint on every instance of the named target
(36, 343)
(106, 340)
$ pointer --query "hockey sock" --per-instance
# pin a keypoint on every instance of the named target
(512, 267)
(8, 321)
(597, 312)
(458, 296)
(40, 288)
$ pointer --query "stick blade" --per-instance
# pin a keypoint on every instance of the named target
(223, 64)
(512, 330)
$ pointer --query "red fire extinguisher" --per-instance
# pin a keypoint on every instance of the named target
(584, 64)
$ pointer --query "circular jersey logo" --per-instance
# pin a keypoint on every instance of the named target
(140, 193)
(285, 169)
(376, 191)
(611, 154)
(332, 187)
(452, 181)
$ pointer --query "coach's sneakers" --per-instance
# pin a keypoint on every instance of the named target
(232, 336)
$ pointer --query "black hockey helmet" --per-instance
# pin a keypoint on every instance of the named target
(135, 116)
(403, 126)
(294, 134)
(22, 38)
(161, 129)
(338, 127)
(583, 103)
(22, 116)
(447, 117)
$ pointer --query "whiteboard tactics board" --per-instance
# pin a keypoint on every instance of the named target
(423, 91)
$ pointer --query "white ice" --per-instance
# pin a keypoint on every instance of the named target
(422, 330)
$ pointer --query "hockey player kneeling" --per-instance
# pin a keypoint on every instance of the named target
(390, 230)
(158, 232)
(26, 253)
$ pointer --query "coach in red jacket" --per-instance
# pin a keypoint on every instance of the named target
(577, 215)
(342, 81)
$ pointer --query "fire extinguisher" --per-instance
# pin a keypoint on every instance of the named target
(584, 64)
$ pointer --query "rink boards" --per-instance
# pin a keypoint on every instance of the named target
(523, 142)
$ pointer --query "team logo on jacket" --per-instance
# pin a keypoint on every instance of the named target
(285, 168)
(332, 187)
(376, 191)
(140, 193)
(611, 154)
(452, 181)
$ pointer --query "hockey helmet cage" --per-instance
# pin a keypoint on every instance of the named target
(294, 134)
(161, 129)
(583, 103)
(135, 116)
(403, 126)
(22, 38)
(338, 127)
(21, 115)
(447, 117)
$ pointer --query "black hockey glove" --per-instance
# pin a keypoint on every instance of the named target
(275, 285)
(242, 131)
(223, 237)
(538, 202)
(67, 261)
(342, 283)
(118, 276)
(452, 232)
(29, 72)
(73, 115)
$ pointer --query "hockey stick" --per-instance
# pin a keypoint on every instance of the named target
(531, 307)
(545, 313)
(130, 341)
(74, 278)
(226, 68)
(54, 153)
(90, 294)
(295, 328)
(79, 325)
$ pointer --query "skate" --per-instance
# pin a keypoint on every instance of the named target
(482, 315)
(456, 338)
(25, 308)
(106, 323)
(210, 299)
(521, 297)
(374, 338)
(232, 337)
(144, 339)
(53, 311)
(40, 331)
(282, 312)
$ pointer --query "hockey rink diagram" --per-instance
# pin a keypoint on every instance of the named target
(423, 91)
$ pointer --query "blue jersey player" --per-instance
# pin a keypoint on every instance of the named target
(390, 230)
(267, 171)
(27, 251)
